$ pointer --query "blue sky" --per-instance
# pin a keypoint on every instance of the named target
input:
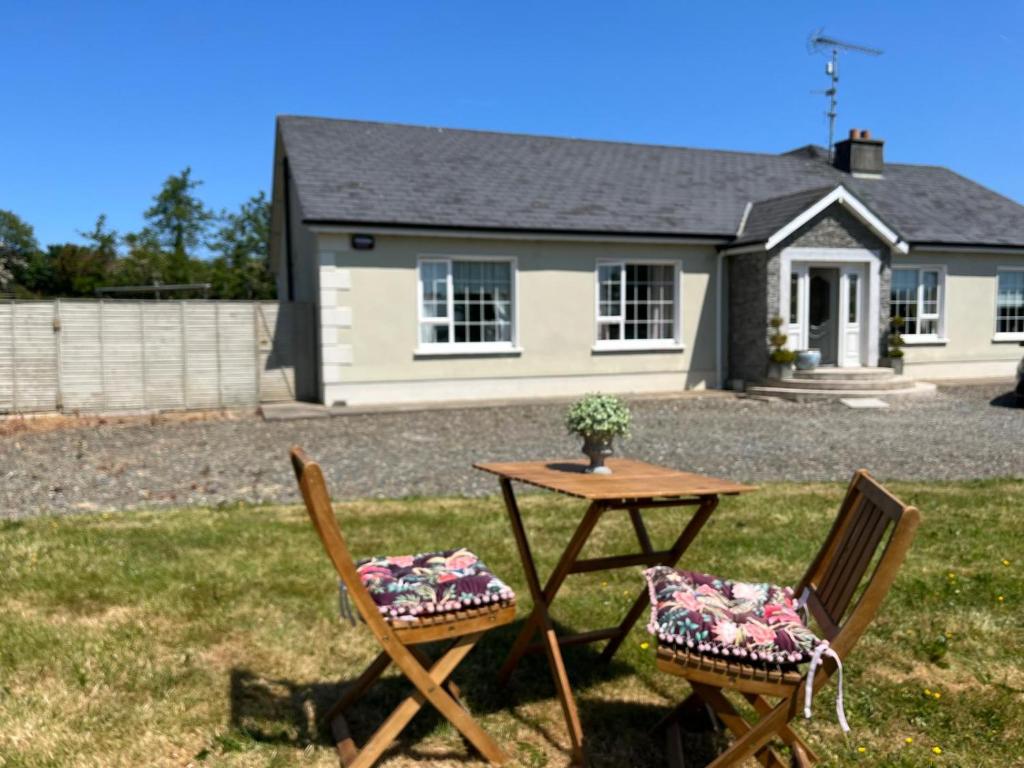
(104, 100)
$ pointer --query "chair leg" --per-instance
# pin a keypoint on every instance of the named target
(752, 739)
(358, 687)
(404, 712)
(802, 752)
(740, 728)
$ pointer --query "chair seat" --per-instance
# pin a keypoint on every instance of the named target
(755, 624)
(426, 587)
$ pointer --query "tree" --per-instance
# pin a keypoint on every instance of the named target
(242, 269)
(144, 263)
(17, 245)
(180, 222)
(76, 270)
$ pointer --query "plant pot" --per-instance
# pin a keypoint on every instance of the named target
(598, 448)
(896, 363)
(808, 359)
(780, 371)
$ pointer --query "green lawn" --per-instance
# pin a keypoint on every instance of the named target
(211, 637)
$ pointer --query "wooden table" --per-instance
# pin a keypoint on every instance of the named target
(632, 486)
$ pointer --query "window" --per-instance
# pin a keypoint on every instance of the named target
(637, 304)
(1010, 304)
(917, 298)
(794, 297)
(466, 302)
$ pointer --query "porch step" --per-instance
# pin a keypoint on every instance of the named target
(830, 374)
(875, 383)
(908, 388)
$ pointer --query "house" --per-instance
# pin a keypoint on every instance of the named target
(453, 264)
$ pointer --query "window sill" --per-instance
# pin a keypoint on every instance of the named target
(925, 341)
(1007, 337)
(602, 348)
(468, 350)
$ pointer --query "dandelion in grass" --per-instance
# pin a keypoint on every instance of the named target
(937, 750)
(644, 646)
(1005, 561)
(937, 695)
(908, 740)
(1001, 599)
(862, 750)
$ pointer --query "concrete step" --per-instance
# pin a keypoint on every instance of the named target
(828, 374)
(876, 383)
(796, 394)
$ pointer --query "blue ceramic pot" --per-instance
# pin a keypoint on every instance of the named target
(808, 359)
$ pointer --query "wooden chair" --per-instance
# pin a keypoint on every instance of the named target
(868, 512)
(399, 641)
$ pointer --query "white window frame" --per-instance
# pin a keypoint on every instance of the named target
(452, 347)
(632, 345)
(939, 337)
(998, 335)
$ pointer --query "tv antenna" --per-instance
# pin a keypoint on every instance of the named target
(819, 42)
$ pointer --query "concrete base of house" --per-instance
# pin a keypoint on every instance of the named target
(512, 388)
(963, 370)
(842, 383)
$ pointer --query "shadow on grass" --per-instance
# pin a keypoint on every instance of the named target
(285, 712)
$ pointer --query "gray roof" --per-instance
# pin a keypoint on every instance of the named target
(355, 172)
(766, 217)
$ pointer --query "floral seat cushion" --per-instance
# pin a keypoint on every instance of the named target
(409, 586)
(754, 622)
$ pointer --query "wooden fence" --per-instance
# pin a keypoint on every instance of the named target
(87, 356)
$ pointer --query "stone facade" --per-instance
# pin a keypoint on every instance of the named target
(754, 286)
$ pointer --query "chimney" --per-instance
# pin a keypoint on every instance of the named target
(859, 154)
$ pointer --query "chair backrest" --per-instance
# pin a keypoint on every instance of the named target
(870, 519)
(321, 513)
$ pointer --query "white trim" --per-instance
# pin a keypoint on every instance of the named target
(743, 218)
(640, 345)
(845, 198)
(987, 249)
(924, 339)
(465, 347)
(997, 335)
(830, 257)
(477, 234)
(637, 345)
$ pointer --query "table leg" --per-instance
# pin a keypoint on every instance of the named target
(541, 619)
(700, 517)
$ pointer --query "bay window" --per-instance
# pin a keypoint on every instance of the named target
(466, 304)
(1010, 304)
(916, 296)
(637, 305)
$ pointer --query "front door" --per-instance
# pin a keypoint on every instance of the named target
(826, 311)
(822, 320)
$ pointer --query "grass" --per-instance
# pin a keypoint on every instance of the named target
(211, 637)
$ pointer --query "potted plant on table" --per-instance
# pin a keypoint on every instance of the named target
(780, 364)
(894, 346)
(598, 419)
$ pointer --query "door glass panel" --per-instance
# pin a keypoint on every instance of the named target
(794, 297)
(854, 284)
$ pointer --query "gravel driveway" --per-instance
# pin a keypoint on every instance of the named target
(963, 432)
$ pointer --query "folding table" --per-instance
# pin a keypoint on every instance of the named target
(632, 486)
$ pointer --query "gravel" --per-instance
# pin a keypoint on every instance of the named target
(961, 433)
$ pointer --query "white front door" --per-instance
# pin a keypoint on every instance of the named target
(845, 340)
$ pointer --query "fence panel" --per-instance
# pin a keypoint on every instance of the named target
(34, 357)
(6, 357)
(164, 356)
(80, 355)
(276, 370)
(201, 362)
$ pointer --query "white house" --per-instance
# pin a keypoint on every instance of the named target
(449, 264)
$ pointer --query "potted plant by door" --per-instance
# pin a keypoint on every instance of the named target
(808, 359)
(894, 346)
(598, 419)
(780, 365)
